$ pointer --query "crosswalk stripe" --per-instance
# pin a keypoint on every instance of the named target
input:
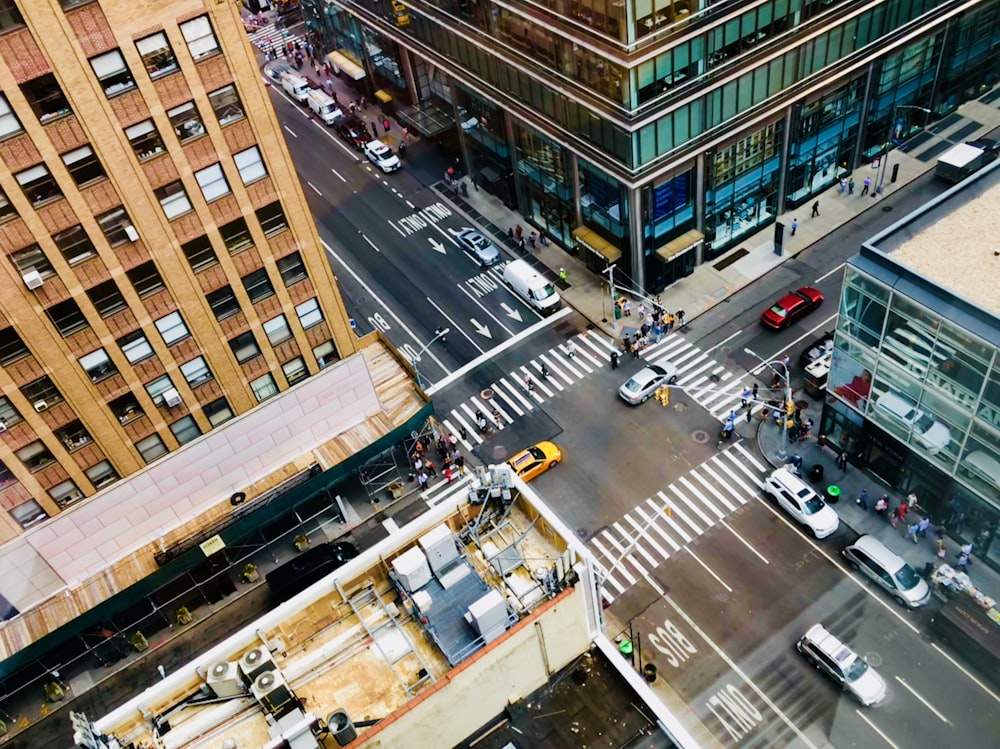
(488, 413)
(619, 563)
(474, 430)
(690, 504)
(665, 344)
(471, 431)
(609, 344)
(696, 493)
(755, 478)
(749, 457)
(678, 360)
(703, 364)
(733, 477)
(666, 511)
(554, 370)
(550, 379)
(678, 510)
(636, 546)
(588, 341)
(624, 558)
(456, 432)
(537, 383)
(712, 490)
(607, 596)
(516, 392)
(722, 395)
(580, 358)
(647, 536)
(568, 362)
(513, 406)
(653, 522)
(607, 574)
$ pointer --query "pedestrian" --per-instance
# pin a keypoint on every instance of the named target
(680, 318)
(842, 461)
(749, 412)
(460, 463)
(614, 360)
(529, 385)
(562, 275)
(922, 526)
(850, 186)
(795, 225)
(746, 395)
(532, 238)
(881, 505)
(657, 331)
(374, 129)
(894, 517)
(484, 425)
(754, 391)
(406, 134)
(364, 102)
(963, 561)
(518, 230)
(939, 549)
(866, 185)
(510, 233)
(911, 531)
(904, 507)
(497, 418)
(843, 185)
(385, 124)
(520, 245)
(452, 439)
(641, 310)
(570, 349)
(431, 470)
(422, 480)
(455, 455)
(815, 211)
(447, 474)
(463, 433)
(418, 463)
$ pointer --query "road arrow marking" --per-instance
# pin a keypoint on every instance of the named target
(438, 247)
(481, 329)
(512, 313)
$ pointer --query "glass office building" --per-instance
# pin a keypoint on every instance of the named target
(659, 133)
(914, 389)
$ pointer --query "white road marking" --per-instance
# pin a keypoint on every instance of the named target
(652, 522)
(454, 326)
(290, 131)
(516, 392)
(830, 272)
(550, 379)
(373, 246)
(411, 206)
(393, 225)
(701, 497)
(708, 569)
(876, 729)
(669, 504)
(634, 545)
(644, 533)
(718, 493)
(537, 383)
(972, 678)
(616, 561)
(513, 406)
(564, 364)
(926, 704)
(753, 461)
(314, 188)
(453, 430)
(744, 542)
(725, 340)
(691, 506)
(600, 339)
(339, 175)
(476, 302)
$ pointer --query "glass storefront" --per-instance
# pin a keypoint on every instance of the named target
(668, 210)
(544, 183)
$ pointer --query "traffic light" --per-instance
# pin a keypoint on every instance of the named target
(789, 408)
(663, 396)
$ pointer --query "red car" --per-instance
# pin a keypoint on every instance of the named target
(791, 307)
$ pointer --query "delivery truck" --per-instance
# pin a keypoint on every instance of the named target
(958, 162)
(531, 286)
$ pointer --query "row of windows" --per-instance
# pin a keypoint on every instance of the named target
(174, 198)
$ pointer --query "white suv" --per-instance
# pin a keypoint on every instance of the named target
(800, 501)
(843, 665)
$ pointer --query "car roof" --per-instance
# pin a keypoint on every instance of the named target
(377, 145)
(820, 636)
(878, 550)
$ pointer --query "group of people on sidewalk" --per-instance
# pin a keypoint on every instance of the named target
(653, 325)
(452, 460)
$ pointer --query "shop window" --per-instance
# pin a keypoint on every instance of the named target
(218, 411)
(236, 235)
(33, 259)
(199, 37)
(212, 182)
(35, 455)
(9, 415)
(12, 347)
(292, 269)
(83, 165)
(196, 371)
(186, 121)
(250, 164)
(145, 279)
(309, 313)
(173, 199)
(29, 513)
(258, 285)
(46, 98)
(244, 347)
(38, 184)
(98, 365)
(113, 73)
(272, 219)
(115, 224)
(103, 474)
(107, 299)
(223, 303)
(157, 55)
(264, 387)
(151, 448)
(157, 388)
(10, 16)
(67, 318)
(126, 408)
(295, 370)
(65, 493)
(9, 124)
(7, 211)
(200, 254)
(227, 105)
(75, 245)
(145, 139)
(277, 330)
(326, 354)
(73, 436)
(135, 346)
(185, 429)
(172, 328)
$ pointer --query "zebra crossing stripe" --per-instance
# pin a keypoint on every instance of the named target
(739, 464)
(488, 413)
(617, 567)
(682, 359)
(624, 557)
(516, 392)
(701, 498)
(635, 546)
(452, 430)
(732, 476)
(663, 509)
(753, 461)
(537, 383)
(579, 359)
(568, 363)
(697, 477)
(644, 533)
(602, 340)
(513, 406)
(694, 372)
(473, 430)
(553, 370)
(687, 503)
(653, 522)
(587, 341)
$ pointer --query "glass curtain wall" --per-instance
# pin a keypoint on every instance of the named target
(668, 211)
(972, 58)
(482, 122)
(546, 192)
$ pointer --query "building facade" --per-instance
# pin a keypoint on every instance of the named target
(164, 273)
(658, 133)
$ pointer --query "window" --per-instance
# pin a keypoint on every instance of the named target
(292, 269)
(75, 245)
(83, 165)
(9, 415)
(173, 199)
(107, 299)
(73, 436)
(236, 235)
(264, 387)
(277, 330)
(172, 328)
(244, 347)
(309, 313)
(12, 348)
(199, 37)
(45, 97)
(326, 354)
(112, 72)
(295, 370)
(35, 455)
(67, 317)
(145, 140)
(66, 493)
(102, 474)
(151, 448)
(258, 285)
(212, 182)
(9, 124)
(135, 346)
(10, 16)
(42, 389)
(145, 279)
(6, 209)
(218, 411)
(126, 408)
(115, 224)
(6, 477)
(196, 371)
(98, 365)
(250, 164)
(67, 4)
(223, 303)
(156, 55)
(199, 254)
(185, 429)
(186, 121)
(272, 219)
(33, 259)
(227, 105)
(157, 388)
(38, 184)
(29, 513)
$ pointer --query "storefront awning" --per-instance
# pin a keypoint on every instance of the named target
(343, 62)
(594, 242)
(686, 241)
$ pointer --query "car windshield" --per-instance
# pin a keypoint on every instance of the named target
(907, 577)
(478, 241)
(543, 293)
(856, 669)
(633, 384)
(778, 310)
(536, 453)
(814, 505)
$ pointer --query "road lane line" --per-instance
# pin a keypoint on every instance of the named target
(971, 677)
(708, 569)
(393, 225)
(745, 542)
(516, 392)
(830, 272)
(725, 340)
(452, 430)
(537, 383)
(643, 531)
(475, 301)
(652, 523)
(551, 379)
(749, 457)
(339, 176)
(373, 245)
(454, 326)
(510, 403)
(314, 189)
(926, 704)
(876, 729)
(290, 131)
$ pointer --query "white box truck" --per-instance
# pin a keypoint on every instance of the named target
(324, 107)
(297, 88)
(958, 162)
(531, 286)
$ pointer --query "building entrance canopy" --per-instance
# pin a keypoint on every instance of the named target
(340, 61)
(678, 246)
(594, 242)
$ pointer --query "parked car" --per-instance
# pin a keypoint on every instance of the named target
(852, 672)
(353, 130)
(929, 432)
(817, 349)
(483, 249)
(382, 156)
(989, 146)
(644, 383)
(536, 460)
(876, 561)
(308, 567)
(791, 307)
(800, 501)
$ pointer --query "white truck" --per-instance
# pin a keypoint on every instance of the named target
(296, 87)
(324, 107)
(531, 286)
(958, 162)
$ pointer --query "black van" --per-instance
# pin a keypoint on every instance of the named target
(306, 568)
(963, 625)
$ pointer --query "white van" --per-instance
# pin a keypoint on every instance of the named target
(297, 88)
(531, 286)
(323, 107)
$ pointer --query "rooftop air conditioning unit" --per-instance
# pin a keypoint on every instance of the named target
(171, 397)
(224, 679)
(255, 662)
(41, 406)
(33, 279)
(131, 233)
(272, 692)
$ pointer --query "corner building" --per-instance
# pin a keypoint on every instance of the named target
(659, 133)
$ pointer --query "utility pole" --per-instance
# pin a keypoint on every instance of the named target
(786, 406)
(611, 285)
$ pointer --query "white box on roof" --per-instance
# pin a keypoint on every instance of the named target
(411, 569)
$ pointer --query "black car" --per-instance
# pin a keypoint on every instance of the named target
(990, 146)
(816, 349)
(308, 567)
(353, 130)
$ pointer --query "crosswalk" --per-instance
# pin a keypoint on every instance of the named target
(271, 37)
(665, 524)
(442, 490)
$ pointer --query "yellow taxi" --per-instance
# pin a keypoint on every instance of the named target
(536, 460)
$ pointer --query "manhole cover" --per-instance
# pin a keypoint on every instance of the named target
(486, 394)
(500, 452)
(886, 208)
(802, 404)
(874, 659)
(680, 407)
(700, 436)
(361, 300)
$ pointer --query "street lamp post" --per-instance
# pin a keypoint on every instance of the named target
(879, 188)
(783, 452)
(439, 333)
